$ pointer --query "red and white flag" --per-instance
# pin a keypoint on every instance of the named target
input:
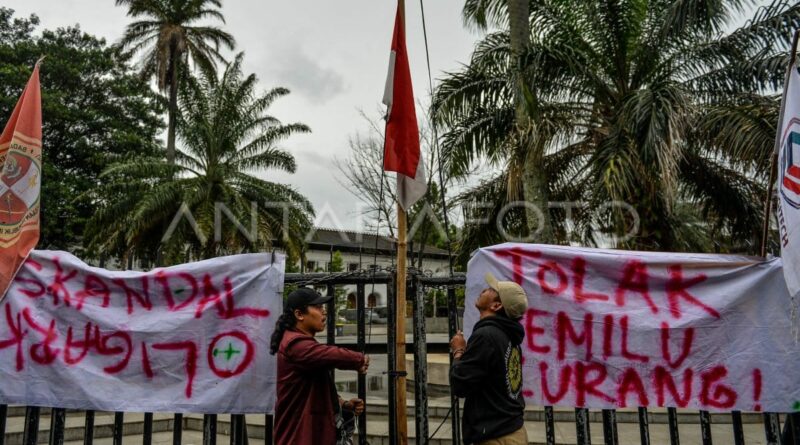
(20, 181)
(402, 149)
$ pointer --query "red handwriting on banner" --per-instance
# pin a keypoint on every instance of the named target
(58, 287)
(43, 352)
(191, 360)
(142, 297)
(137, 328)
(37, 339)
(634, 280)
(226, 372)
(588, 379)
(176, 291)
(82, 346)
(14, 323)
(633, 371)
(714, 392)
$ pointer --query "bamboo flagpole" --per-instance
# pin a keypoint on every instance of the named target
(402, 154)
(400, 313)
(400, 338)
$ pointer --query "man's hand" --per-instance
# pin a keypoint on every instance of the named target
(458, 342)
(364, 366)
(355, 405)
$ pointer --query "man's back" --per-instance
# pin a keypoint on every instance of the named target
(489, 375)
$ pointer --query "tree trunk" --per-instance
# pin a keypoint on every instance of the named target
(173, 107)
(519, 16)
(534, 181)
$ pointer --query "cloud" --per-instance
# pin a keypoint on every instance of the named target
(304, 75)
(313, 158)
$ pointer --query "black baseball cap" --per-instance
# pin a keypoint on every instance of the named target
(305, 296)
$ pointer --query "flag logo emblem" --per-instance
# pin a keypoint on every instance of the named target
(19, 189)
(790, 164)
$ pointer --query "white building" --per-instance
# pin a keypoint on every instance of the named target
(359, 253)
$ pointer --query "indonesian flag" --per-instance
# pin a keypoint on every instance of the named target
(20, 180)
(401, 150)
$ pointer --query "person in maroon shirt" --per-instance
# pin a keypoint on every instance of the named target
(307, 401)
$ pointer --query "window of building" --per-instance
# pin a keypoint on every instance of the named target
(311, 266)
(352, 267)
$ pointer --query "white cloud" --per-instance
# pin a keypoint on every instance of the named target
(304, 75)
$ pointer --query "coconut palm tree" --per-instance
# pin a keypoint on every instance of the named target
(534, 184)
(655, 115)
(209, 201)
(168, 34)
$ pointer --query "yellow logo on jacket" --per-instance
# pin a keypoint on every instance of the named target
(513, 371)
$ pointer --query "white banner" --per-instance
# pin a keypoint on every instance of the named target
(788, 146)
(189, 338)
(609, 329)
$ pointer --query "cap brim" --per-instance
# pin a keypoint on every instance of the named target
(322, 299)
(491, 281)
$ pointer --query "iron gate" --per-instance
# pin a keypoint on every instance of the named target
(418, 283)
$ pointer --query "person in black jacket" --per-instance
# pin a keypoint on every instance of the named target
(487, 371)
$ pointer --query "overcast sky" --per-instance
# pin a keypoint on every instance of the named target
(333, 56)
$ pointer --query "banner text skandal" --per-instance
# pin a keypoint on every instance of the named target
(190, 338)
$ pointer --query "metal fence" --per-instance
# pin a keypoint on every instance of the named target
(418, 285)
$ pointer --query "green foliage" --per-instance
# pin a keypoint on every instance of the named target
(167, 33)
(651, 103)
(292, 263)
(95, 111)
(227, 136)
(426, 219)
(337, 263)
(168, 36)
(440, 295)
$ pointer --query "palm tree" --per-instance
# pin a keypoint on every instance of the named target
(534, 184)
(149, 205)
(168, 36)
(653, 104)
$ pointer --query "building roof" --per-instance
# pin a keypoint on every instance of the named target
(351, 241)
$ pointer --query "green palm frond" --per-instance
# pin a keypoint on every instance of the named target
(272, 135)
(651, 103)
(741, 131)
(483, 14)
(481, 135)
(227, 136)
(167, 37)
(269, 158)
(726, 196)
(144, 168)
(683, 17)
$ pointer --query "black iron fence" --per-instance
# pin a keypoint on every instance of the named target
(418, 286)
